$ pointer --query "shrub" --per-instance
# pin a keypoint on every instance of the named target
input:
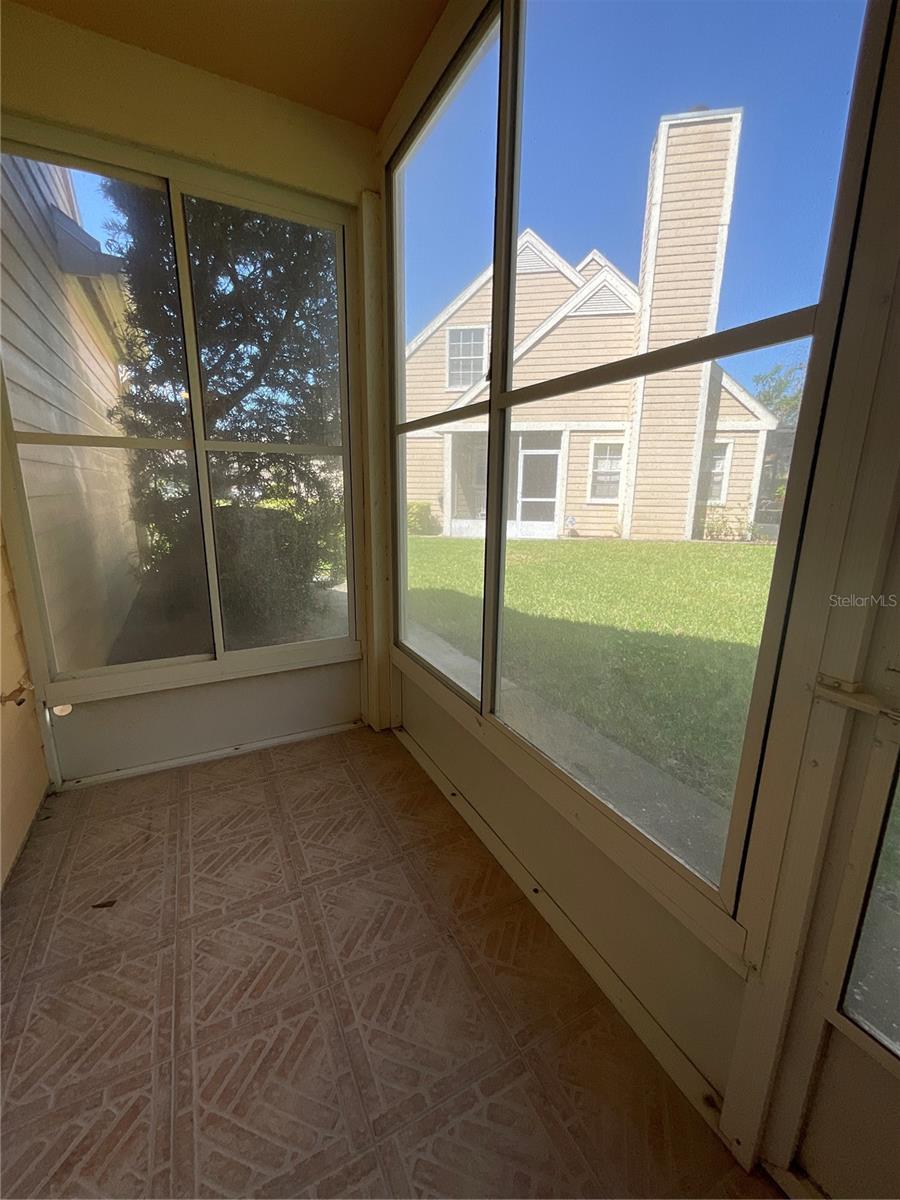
(297, 554)
(420, 518)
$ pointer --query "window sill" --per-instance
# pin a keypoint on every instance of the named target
(236, 664)
(694, 902)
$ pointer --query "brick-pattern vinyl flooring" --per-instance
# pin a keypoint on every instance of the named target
(298, 973)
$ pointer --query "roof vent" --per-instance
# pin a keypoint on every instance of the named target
(602, 303)
(529, 262)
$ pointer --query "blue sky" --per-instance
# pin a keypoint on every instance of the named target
(93, 206)
(598, 76)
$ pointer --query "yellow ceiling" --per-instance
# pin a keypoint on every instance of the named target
(345, 57)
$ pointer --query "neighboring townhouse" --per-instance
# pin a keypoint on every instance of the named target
(63, 308)
(675, 455)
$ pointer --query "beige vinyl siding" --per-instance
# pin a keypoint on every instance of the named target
(426, 368)
(425, 471)
(590, 269)
(731, 409)
(24, 777)
(61, 374)
(591, 520)
(574, 344)
(694, 188)
(537, 296)
(680, 295)
(736, 509)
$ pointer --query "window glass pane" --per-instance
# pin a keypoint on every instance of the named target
(873, 991)
(266, 302)
(443, 232)
(120, 553)
(280, 547)
(630, 631)
(442, 488)
(92, 336)
(678, 170)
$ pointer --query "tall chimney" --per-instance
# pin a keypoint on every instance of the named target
(692, 167)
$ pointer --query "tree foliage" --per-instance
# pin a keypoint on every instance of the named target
(266, 306)
(780, 389)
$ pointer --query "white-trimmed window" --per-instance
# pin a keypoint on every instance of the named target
(466, 356)
(719, 472)
(605, 471)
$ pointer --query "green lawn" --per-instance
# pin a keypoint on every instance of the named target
(651, 643)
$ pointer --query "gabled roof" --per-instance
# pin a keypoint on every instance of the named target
(594, 256)
(767, 419)
(607, 278)
(529, 244)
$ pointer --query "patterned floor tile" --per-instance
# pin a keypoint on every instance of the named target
(225, 772)
(388, 765)
(141, 836)
(258, 938)
(291, 755)
(535, 983)
(370, 912)
(418, 1029)
(220, 876)
(317, 787)
(88, 915)
(327, 843)
(229, 972)
(135, 791)
(418, 812)
(114, 1142)
(463, 876)
(73, 1033)
(236, 811)
(363, 740)
(497, 1138)
(359, 1179)
(269, 1109)
(24, 899)
(635, 1128)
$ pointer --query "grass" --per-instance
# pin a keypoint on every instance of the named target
(652, 644)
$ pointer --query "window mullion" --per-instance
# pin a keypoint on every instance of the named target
(192, 355)
(511, 38)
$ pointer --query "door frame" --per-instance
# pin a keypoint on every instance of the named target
(535, 529)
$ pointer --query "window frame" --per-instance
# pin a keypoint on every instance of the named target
(592, 446)
(485, 355)
(728, 443)
(712, 910)
(27, 138)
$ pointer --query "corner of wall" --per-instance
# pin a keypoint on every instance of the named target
(24, 779)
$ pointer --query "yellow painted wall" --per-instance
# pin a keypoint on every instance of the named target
(57, 72)
(23, 774)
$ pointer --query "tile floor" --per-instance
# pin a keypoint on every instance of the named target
(298, 973)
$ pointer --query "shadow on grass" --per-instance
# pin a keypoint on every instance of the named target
(680, 703)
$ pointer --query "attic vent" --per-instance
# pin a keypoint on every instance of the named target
(601, 303)
(529, 262)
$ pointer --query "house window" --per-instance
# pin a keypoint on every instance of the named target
(623, 638)
(160, 472)
(605, 472)
(465, 356)
(719, 471)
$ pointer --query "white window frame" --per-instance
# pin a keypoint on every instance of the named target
(48, 143)
(712, 911)
(485, 354)
(728, 443)
(605, 500)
